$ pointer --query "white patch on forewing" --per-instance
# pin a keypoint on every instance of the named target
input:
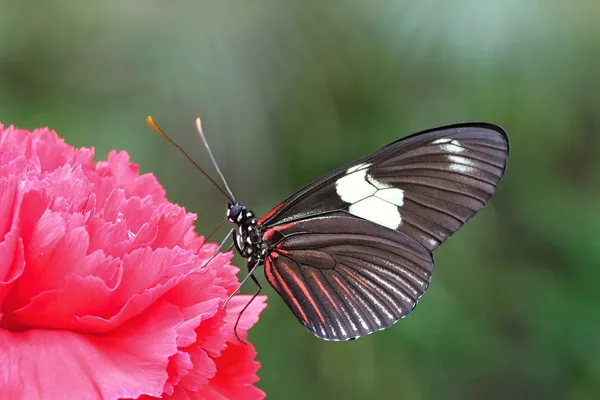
(461, 164)
(377, 210)
(353, 187)
(461, 168)
(370, 199)
(449, 145)
(392, 195)
(376, 183)
(441, 141)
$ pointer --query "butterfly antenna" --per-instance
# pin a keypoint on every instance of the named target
(207, 238)
(212, 158)
(162, 133)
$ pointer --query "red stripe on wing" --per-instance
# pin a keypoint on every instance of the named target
(313, 275)
(268, 235)
(357, 278)
(344, 288)
(302, 285)
(278, 283)
(270, 213)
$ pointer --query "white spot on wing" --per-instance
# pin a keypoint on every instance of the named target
(353, 187)
(461, 168)
(376, 183)
(461, 164)
(378, 211)
(393, 195)
(440, 141)
(370, 199)
(449, 145)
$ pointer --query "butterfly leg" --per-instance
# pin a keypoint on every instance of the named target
(218, 249)
(251, 270)
(245, 307)
(250, 275)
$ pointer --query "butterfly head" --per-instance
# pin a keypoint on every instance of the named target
(238, 213)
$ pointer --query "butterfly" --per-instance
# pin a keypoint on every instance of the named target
(352, 252)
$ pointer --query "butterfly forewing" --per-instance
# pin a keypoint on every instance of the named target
(345, 277)
(425, 186)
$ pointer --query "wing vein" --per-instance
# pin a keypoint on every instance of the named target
(394, 276)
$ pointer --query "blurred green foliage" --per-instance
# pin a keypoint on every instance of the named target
(289, 90)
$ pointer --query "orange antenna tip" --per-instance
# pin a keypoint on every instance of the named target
(157, 128)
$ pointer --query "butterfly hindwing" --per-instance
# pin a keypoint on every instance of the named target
(345, 277)
(425, 186)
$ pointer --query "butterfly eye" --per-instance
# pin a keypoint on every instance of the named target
(235, 212)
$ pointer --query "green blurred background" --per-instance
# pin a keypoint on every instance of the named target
(289, 90)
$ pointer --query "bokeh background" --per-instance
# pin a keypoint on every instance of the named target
(289, 90)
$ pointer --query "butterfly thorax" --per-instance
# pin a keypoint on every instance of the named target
(248, 235)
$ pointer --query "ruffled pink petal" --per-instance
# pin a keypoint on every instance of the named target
(204, 369)
(14, 142)
(236, 374)
(199, 300)
(12, 265)
(212, 336)
(173, 225)
(160, 267)
(34, 205)
(8, 200)
(140, 287)
(56, 246)
(227, 274)
(179, 365)
(127, 363)
(52, 152)
(61, 308)
(179, 394)
(126, 175)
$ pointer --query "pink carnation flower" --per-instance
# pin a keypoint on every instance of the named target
(101, 291)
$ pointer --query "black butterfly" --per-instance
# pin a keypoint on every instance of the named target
(351, 253)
